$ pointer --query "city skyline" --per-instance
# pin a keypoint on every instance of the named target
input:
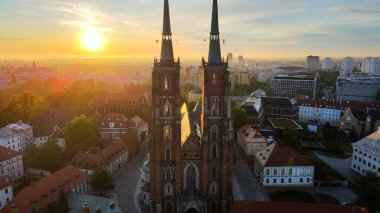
(271, 29)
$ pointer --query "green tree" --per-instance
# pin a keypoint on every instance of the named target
(80, 134)
(368, 189)
(290, 137)
(240, 118)
(101, 182)
(62, 204)
(50, 150)
(18, 108)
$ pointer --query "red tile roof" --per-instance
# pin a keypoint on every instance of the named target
(288, 207)
(335, 104)
(285, 156)
(118, 120)
(4, 184)
(47, 189)
(6, 153)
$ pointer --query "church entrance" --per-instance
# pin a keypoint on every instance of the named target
(192, 210)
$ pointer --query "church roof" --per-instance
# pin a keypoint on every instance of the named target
(189, 125)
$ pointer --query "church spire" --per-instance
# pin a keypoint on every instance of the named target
(167, 45)
(214, 55)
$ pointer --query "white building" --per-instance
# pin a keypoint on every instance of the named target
(16, 136)
(327, 64)
(264, 76)
(11, 165)
(251, 140)
(366, 154)
(371, 65)
(112, 125)
(312, 62)
(41, 137)
(6, 193)
(283, 166)
(348, 65)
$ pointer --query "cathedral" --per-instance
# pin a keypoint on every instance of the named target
(190, 150)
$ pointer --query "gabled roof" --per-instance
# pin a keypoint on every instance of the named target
(47, 189)
(113, 120)
(190, 129)
(370, 144)
(250, 134)
(4, 184)
(6, 154)
(290, 207)
(275, 155)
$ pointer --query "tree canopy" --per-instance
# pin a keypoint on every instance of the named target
(100, 182)
(80, 134)
(368, 189)
(240, 118)
(48, 157)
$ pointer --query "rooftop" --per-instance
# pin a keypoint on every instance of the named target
(13, 129)
(275, 155)
(335, 104)
(6, 153)
(47, 189)
(4, 184)
(250, 134)
(290, 207)
(281, 123)
(370, 144)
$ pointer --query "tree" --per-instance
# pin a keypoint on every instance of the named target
(368, 189)
(240, 118)
(18, 108)
(290, 137)
(50, 150)
(62, 204)
(100, 182)
(80, 134)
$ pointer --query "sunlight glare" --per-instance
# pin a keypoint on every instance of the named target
(92, 41)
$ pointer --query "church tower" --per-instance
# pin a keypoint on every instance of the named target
(165, 127)
(190, 149)
(216, 123)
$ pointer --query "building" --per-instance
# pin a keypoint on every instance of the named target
(255, 111)
(40, 194)
(80, 202)
(264, 76)
(17, 136)
(11, 164)
(110, 159)
(327, 110)
(291, 85)
(348, 66)
(371, 65)
(140, 127)
(230, 57)
(283, 166)
(6, 193)
(292, 207)
(191, 149)
(145, 184)
(128, 103)
(251, 140)
(240, 77)
(348, 123)
(112, 125)
(40, 137)
(366, 154)
(327, 64)
(279, 107)
(312, 62)
(357, 88)
(240, 60)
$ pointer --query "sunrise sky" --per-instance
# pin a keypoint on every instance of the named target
(254, 28)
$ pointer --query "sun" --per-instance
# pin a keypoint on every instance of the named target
(92, 41)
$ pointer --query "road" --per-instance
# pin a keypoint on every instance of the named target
(127, 182)
(343, 166)
(244, 187)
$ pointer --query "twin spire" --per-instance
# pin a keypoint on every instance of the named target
(214, 56)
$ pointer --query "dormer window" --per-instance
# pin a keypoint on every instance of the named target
(112, 125)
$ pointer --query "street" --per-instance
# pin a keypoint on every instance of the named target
(127, 182)
(244, 187)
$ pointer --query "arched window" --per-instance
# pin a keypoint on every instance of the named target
(168, 154)
(191, 175)
(213, 78)
(166, 109)
(213, 173)
(213, 189)
(169, 207)
(168, 189)
(214, 109)
(166, 84)
(168, 174)
(167, 132)
(214, 151)
(214, 133)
